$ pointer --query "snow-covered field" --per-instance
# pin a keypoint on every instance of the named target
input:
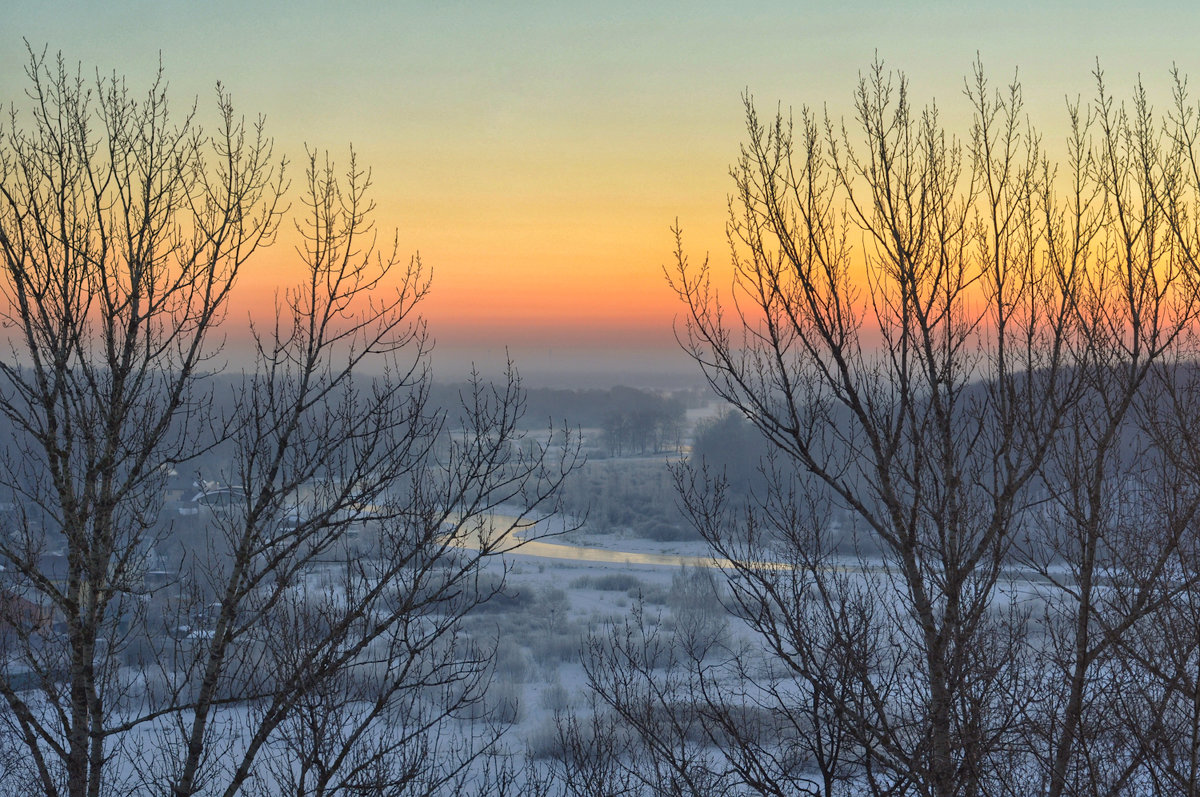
(559, 591)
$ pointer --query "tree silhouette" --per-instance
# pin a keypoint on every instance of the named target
(304, 634)
(974, 367)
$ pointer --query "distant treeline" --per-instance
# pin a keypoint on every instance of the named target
(632, 421)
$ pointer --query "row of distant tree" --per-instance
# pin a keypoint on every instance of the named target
(639, 422)
(631, 421)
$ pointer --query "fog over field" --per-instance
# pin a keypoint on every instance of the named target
(582, 367)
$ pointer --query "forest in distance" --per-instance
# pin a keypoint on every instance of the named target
(929, 525)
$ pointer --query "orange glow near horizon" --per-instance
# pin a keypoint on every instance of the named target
(536, 155)
(548, 281)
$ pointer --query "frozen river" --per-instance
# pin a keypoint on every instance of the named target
(582, 553)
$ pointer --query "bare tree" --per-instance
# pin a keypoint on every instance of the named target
(992, 402)
(916, 383)
(1157, 660)
(306, 635)
(985, 392)
(123, 231)
(1117, 528)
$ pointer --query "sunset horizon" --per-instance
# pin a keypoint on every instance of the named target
(537, 156)
(475, 398)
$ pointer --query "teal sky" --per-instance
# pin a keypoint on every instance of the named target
(536, 153)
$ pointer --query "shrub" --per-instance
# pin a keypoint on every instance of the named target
(609, 582)
(555, 698)
(661, 531)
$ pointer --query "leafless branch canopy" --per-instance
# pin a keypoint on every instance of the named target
(974, 362)
(295, 626)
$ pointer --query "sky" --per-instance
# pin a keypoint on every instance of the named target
(536, 154)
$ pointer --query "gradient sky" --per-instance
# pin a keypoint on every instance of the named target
(536, 154)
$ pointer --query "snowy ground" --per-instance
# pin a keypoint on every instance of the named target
(573, 584)
(563, 589)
